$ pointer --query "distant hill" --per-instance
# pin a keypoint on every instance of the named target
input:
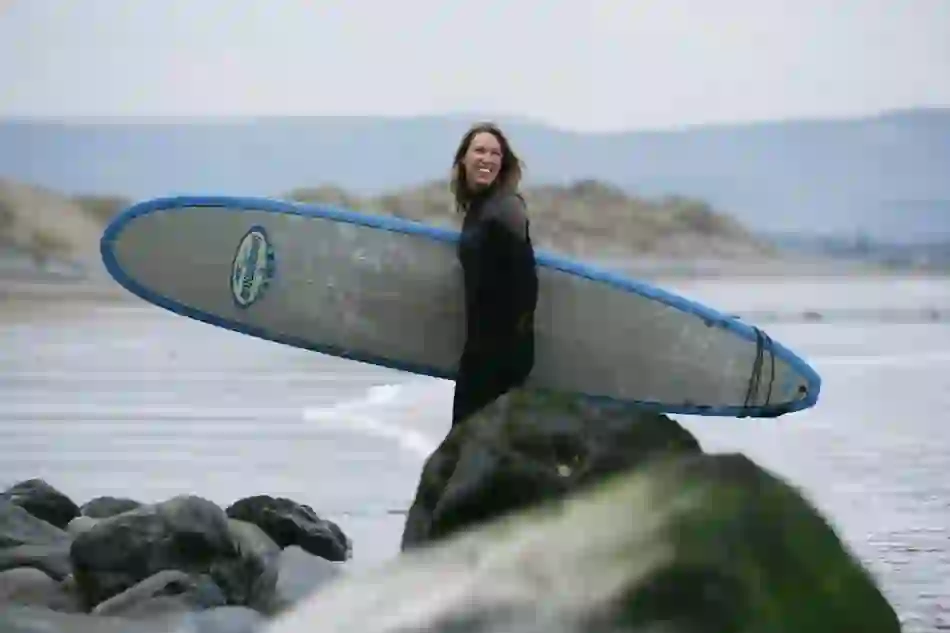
(933, 255)
(887, 176)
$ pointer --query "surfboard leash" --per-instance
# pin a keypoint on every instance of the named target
(763, 343)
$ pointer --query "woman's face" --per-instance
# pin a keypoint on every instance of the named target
(482, 160)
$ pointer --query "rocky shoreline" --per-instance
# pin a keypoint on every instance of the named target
(542, 512)
(185, 563)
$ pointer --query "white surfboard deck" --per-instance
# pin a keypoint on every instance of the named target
(389, 291)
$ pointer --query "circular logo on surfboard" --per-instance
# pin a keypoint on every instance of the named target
(252, 268)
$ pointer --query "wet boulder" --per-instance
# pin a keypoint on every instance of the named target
(168, 591)
(28, 586)
(18, 526)
(106, 506)
(527, 447)
(42, 501)
(290, 523)
(684, 543)
(50, 558)
(250, 579)
(28, 541)
(184, 533)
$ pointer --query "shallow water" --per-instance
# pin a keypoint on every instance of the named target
(129, 400)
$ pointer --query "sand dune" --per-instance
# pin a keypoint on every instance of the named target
(48, 224)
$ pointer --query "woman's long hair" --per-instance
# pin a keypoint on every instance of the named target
(508, 178)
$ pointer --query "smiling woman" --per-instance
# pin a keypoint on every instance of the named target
(500, 275)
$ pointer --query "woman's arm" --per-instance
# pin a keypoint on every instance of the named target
(507, 212)
(507, 276)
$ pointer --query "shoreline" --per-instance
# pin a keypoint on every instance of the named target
(21, 295)
(24, 300)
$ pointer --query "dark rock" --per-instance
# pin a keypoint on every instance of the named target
(686, 543)
(185, 533)
(28, 586)
(52, 559)
(527, 447)
(42, 501)
(167, 591)
(20, 527)
(104, 507)
(290, 523)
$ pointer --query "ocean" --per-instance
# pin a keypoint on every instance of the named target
(122, 398)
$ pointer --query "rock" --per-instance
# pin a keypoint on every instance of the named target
(251, 577)
(28, 541)
(23, 619)
(31, 619)
(27, 586)
(167, 591)
(290, 523)
(301, 575)
(685, 543)
(20, 527)
(81, 524)
(28, 619)
(52, 559)
(185, 533)
(42, 501)
(222, 620)
(104, 507)
(526, 447)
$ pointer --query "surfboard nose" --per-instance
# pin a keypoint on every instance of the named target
(181, 251)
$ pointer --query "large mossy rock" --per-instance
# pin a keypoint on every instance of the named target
(528, 447)
(685, 543)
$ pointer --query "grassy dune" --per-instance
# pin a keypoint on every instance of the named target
(47, 224)
(587, 218)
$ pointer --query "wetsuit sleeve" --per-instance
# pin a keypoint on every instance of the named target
(504, 270)
(509, 213)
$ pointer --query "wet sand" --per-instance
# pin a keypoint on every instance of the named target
(122, 398)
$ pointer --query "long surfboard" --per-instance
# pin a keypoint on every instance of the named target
(388, 291)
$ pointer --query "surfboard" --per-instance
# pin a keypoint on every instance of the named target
(388, 291)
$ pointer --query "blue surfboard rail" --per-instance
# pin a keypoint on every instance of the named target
(710, 316)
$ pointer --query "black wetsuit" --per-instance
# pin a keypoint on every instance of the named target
(501, 292)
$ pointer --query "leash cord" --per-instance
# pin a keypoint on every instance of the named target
(763, 344)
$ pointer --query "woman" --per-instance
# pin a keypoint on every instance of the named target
(501, 290)
(500, 277)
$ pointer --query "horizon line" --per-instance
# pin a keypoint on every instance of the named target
(502, 118)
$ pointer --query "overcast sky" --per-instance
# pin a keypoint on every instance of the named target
(581, 64)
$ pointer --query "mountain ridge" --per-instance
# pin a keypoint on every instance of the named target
(884, 175)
